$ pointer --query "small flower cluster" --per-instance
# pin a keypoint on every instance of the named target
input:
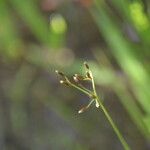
(76, 83)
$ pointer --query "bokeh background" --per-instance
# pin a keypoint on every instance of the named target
(39, 36)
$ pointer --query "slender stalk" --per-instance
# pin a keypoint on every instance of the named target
(93, 95)
(115, 128)
(81, 86)
(102, 107)
(81, 89)
(93, 83)
(90, 103)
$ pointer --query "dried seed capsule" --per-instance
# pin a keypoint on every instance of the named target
(88, 75)
(64, 82)
(60, 73)
(79, 77)
(82, 110)
(61, 81)
(86, 65)
(75, 79)
(86, 107)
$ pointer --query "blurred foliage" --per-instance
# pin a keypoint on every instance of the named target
(39, 36)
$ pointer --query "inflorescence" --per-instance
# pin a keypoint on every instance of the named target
(76, 83)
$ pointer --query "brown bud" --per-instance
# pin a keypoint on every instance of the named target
(60, 73)
(64, 82)
(82, 110)
(75, 79)
(79, 77)
(86, 65)
(88, 75)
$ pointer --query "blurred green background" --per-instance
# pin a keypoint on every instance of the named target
(39, 36)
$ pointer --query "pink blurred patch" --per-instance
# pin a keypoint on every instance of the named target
(50, 5)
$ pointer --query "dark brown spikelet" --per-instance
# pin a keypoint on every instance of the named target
(75, 79)
(79, 77)
(88, 75)
(64, 82)
(60, 73)
(86, 65)
(82, 109)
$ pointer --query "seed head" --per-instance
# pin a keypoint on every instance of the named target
(82, 110)
(79, 77)
(75, 79)
(88, 75)
(64, 82)
(86, 65)
(60, 73)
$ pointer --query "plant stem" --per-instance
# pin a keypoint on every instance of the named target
(93, 95)
(116, 130)
(81, 89)
(102, 107)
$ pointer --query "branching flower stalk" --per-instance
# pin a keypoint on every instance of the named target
(92, 94)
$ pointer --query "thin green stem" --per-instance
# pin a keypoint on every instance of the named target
(90, 103)
(102, 107)
(93, 84)
(116, 130)
(94, 89)
(93, 95)
(81, 89)
(81, 86)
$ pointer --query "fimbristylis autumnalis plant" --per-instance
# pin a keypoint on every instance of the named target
(92, 94)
